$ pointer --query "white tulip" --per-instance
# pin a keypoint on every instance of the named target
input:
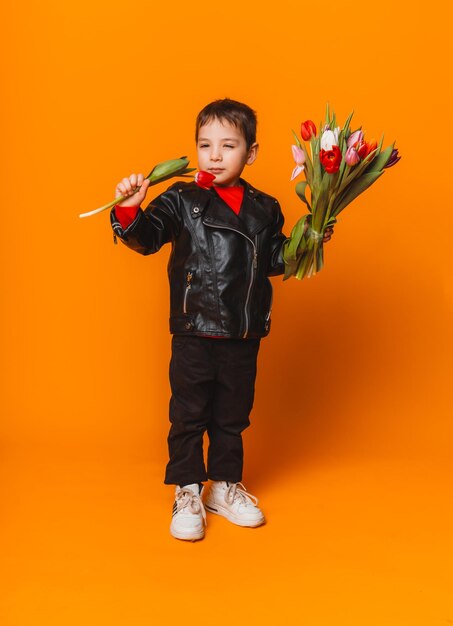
(328, 140)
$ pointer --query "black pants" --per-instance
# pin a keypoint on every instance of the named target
(213, 385)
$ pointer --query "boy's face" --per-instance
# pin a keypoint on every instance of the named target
(222, 150)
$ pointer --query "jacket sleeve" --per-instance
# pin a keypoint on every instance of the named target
(158, 224)
(276, 262)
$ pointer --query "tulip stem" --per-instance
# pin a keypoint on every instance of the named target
(154, 180)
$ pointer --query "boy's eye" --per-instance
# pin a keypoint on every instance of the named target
(205, 145)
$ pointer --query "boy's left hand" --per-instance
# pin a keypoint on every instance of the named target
(327, 234)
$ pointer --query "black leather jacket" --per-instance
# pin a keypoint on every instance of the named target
(220, 262)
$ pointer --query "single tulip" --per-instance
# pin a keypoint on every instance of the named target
(160, 172)
(365, 147)
(373, 145)
(204, 179)
(394, 158)
(351, 157)
(307, 130)
(329, 138)
(299, 158)
(355, 137)
(330, 159)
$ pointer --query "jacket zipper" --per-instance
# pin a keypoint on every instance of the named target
(270, 306)
(189, 277)
(254, 266)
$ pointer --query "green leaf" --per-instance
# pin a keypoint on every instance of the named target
(380, 143)
(290, 264)
(348, 121)
(332, 220)
(289, 271)
(297, 233)
(308, 172)
(354, 190)
(317, 170)
(304, 263)
(296, 139)
(352, 173)
(300, 190)
(308, 166)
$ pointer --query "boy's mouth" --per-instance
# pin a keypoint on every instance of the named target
(215, 170)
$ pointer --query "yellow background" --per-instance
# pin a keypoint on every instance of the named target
(349, 451)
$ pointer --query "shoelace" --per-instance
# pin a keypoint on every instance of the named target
(186, 497)
(237, 490)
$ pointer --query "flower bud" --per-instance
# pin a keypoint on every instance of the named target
(355, 137)
(365, 147)
(330, 159)
(307, 130)
(393, 159)
(204, 179)
(298, 155)
(351, 157)
(328, 140)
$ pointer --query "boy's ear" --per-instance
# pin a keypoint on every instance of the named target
(253, 153)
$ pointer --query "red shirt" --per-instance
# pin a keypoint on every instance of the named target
(231, 195)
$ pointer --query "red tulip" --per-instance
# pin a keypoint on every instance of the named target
(307, 130)
(365, 147)
(204, 179)
(330, 159)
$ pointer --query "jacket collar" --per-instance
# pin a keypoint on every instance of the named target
(254, 215)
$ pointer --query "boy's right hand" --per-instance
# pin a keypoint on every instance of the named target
(127, 187)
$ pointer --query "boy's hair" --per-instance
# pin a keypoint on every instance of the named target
(236, 113)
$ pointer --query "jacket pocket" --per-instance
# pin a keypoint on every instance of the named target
(182, 324)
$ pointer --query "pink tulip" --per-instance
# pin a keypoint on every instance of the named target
(299, 158)
(351, 157)
(298, 155)
(354, 138)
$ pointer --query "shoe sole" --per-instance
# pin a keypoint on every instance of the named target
(220, 510)
(197, 537)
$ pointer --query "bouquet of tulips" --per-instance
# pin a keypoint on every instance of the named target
(340, 166)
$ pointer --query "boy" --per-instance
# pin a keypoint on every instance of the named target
(226, 240)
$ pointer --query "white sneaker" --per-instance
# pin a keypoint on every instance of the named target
(234, 502)
(188, 516)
